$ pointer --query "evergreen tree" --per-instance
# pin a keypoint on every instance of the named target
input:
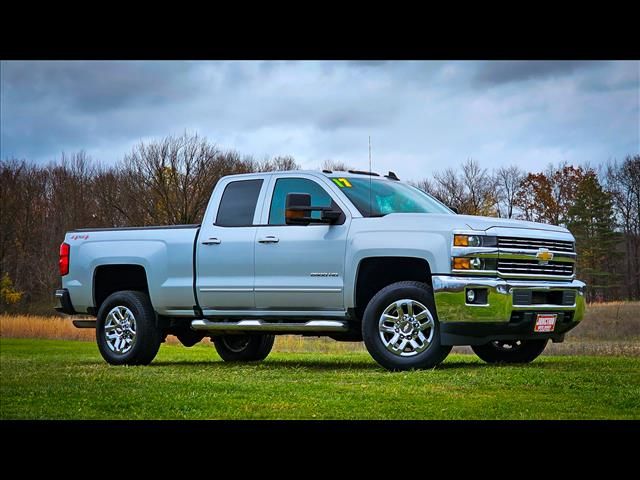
(591, 220)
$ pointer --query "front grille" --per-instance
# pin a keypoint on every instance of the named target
(532, 267)
(535, 244)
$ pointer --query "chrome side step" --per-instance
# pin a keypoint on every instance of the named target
(271, 327)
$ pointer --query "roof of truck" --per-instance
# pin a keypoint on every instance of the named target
(327, 173)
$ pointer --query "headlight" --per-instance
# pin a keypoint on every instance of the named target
(466, 241)
(474, 241)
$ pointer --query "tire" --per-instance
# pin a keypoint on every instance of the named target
(517, 351)
(429, 353)
(142, 348)
(243, 348)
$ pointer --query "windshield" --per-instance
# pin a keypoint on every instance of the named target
(387, 197)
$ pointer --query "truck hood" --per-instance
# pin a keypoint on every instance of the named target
(485, 223)
(490, 225)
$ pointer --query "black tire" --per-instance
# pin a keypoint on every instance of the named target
(517, 351)
(243, 348)
(148, 336)
(434, 353)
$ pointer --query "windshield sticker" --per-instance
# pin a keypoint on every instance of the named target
(342, 182)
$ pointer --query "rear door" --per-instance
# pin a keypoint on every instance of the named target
(225, 249)
(300, 267)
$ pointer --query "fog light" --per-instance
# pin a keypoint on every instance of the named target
(471, 296)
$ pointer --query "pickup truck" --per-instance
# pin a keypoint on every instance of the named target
(354, 256)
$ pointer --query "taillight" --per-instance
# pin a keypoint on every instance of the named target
(64, 259)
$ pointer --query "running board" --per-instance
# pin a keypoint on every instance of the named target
(271, 327)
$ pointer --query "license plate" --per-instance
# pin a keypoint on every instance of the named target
(545, 322)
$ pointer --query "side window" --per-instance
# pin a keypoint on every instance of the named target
(284, 186)
(238, 203)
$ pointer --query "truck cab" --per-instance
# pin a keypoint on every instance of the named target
(351, 255)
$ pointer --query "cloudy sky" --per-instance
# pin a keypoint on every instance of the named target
(422, 116)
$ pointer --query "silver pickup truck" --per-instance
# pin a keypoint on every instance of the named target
(350, 255)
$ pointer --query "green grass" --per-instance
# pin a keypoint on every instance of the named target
(54, 379)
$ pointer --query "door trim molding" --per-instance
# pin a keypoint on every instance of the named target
(298, 290)
(227, 289)
(308, 314)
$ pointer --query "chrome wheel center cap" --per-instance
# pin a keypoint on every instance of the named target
(406, 326)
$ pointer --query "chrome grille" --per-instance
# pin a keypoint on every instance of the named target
(532, 267)
(535, 244)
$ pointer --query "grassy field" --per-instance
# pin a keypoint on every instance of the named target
(49, 369)
(57, 379)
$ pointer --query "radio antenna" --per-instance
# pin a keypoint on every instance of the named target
(370, 174)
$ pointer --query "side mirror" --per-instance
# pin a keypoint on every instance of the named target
(298, 211)
(455, 210)
(297, 208)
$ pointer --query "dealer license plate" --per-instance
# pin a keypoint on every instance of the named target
(545, 322)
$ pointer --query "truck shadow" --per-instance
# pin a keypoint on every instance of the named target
(319, 365)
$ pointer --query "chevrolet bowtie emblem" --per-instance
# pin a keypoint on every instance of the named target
(544, 256)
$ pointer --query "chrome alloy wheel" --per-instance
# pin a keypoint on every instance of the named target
(406, 328)
(120, 330)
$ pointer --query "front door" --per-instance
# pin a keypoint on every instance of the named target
(300, 267)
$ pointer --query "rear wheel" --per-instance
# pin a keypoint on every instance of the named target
(243, 348)
(126, 331)
(510, 351)
(400, 328)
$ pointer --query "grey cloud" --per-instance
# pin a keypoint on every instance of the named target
(502, 72)
(97, 86)
(422, 116)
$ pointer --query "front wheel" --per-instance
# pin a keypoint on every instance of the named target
(400, 328)
(243, 348)
(510, 351)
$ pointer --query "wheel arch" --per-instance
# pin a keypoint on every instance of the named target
(111, 278)
(376, 272)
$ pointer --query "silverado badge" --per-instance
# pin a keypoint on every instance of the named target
(544, 256)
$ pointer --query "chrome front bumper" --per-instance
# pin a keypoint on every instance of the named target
(452, 305)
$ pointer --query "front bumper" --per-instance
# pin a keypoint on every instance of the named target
(63, 302)
(509, 311)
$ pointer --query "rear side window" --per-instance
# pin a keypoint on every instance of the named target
(238, 203)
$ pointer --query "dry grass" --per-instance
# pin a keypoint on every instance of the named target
(608, 329)
(34, 326)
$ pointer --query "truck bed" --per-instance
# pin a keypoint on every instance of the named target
(165, 252)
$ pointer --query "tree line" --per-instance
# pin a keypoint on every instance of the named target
(169, 181)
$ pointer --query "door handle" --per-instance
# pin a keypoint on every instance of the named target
(269, 239)
(212, 241)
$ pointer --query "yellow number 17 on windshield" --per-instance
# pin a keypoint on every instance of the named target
(342, 182)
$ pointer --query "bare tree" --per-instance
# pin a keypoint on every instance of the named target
(622, 180)
(507, 180)
(426, 186)
(336, 166)
(278, 164)
(480, 187)
(171, 178)
(449, 189)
